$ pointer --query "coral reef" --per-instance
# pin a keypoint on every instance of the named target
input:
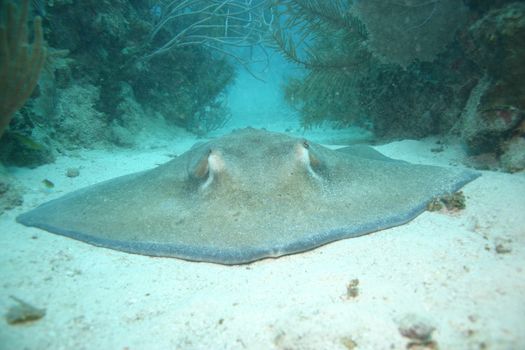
(409, 69)
(451, 202)
(175, 84)
(350, 83)
(100, 88)
(493, 127)
(403, 31)
(78, 123)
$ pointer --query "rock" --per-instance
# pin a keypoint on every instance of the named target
(121, 136)
(495, 44)
(493, 127)
(72, 172)
(415, 328)
(484, 161)
(513, 158)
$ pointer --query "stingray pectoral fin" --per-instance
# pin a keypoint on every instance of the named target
(366, 152)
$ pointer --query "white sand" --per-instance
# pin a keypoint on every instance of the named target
(440, 266)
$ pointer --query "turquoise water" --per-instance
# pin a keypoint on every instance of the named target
(94, 90)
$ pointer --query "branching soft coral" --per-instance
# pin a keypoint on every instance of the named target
(20, 64)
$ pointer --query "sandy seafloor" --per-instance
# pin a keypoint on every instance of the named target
(441, 267)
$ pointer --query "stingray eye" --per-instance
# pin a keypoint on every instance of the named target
(306, 144)
(305, 155)
(202, 168)
(209, 167)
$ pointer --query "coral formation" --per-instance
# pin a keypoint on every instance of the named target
(78, 122)
(401, 69)
(349, 83)
(363, 68)
(415, 30)
(452, 202)
(175, 84)
(491, 124)
(100, 88)
(494, 42)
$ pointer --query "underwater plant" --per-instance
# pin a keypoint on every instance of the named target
(357, 73)
(123, 90)
(223, 26)
(327, 40)
(20, 63)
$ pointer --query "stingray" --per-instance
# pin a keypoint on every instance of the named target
(248, 195)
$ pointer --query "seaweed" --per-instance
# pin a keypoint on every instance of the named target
(106, 90)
